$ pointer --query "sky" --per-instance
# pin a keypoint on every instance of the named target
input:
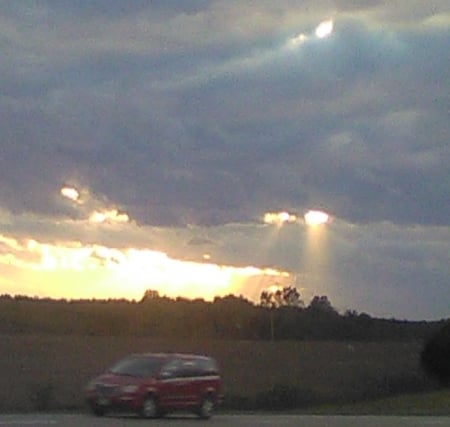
(177, 146)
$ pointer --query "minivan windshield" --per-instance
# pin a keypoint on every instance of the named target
(137, 366)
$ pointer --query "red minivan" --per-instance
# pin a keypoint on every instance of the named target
(153, 384)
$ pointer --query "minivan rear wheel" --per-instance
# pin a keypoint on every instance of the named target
(149, 408)
(206, 408)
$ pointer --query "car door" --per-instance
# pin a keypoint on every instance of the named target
(188, 386)
(171, 384)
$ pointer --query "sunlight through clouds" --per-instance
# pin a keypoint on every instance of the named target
(297, 40)
(254, 60)
(70, 193)
(136, 269)
(324, 29)
(98, 212)
(184, 156)
(313, 217)
(111, 215)
(279, 218)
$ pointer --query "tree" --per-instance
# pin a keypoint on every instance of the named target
(150, 294)
(321, 304)
(435, 356)
(287, 296)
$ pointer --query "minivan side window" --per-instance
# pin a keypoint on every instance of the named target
(172, 369)
(208, 366)
(199, 367)
(188, 368)
(195, 367)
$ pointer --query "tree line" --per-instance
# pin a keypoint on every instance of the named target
(279, 315)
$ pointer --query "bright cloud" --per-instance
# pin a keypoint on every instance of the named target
(98, 213)
(70, 193)
(112, 215)
(297, 40)
(279, 218)
(324, 29)
(316, 217)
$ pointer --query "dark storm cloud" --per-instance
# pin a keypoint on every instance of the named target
(117, 8)
(344, 120)
(205, 113)
(205, 125)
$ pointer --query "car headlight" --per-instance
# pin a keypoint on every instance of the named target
(129, 388)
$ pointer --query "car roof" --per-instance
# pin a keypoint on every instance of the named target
(172, 355)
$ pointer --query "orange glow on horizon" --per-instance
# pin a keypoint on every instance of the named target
(76, 271)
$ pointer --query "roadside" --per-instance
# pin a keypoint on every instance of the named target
(435, 403)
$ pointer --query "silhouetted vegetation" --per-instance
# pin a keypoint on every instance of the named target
(435, 357)
(287, 296)
(278, 298)
(275, 355)
(281, 316)
(41, 396)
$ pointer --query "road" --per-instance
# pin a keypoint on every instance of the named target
(77, 420)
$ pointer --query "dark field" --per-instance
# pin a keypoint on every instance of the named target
(50, 372)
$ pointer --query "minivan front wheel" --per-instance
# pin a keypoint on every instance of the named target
(149, 408)
(206, 408)
(98, 410)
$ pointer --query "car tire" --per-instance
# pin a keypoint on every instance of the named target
(98, 410)
(206, 409)
(149, 408)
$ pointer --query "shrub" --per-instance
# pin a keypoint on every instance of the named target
(42, 396)
(435, 356)
(237, 402)
(284, 396)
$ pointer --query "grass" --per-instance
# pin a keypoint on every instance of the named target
(50, 372)
(436, 403)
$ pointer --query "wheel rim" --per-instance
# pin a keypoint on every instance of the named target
(207, 408)
(149, 408)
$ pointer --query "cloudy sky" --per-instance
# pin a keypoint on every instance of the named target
(143, 143)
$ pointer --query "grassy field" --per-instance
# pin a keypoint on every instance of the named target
(50, 372)
(436, 403)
